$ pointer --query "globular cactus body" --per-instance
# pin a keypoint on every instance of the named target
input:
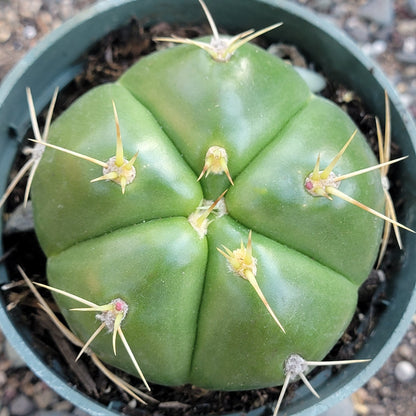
(191, 318)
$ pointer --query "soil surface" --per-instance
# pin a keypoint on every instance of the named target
(386, 31)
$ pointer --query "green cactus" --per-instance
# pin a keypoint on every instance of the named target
(219, 294)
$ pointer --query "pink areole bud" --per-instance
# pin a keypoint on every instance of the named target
(119, 305)
(308, 185)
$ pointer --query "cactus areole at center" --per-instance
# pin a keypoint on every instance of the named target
(221, 288)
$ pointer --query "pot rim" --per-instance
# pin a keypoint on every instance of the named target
(21, 73)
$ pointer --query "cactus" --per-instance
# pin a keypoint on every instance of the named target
(227, 251)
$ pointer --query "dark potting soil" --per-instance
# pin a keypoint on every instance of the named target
(105, 63)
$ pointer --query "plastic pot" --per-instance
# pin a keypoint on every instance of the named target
(60, 56)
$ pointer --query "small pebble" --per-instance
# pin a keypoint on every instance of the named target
(408, 52)
(409, 44)
(44, 398)
(21, 405)
(5, 32)
(9, 394)
(20, 220)
(381, 275)
(29, 32)
(79, 412)
(406, 352)
(173, 405)
(406, 28)
(411, 5)
(315, 81)
(385, 391)
(374, 383)
(30, 8)
(62, 406)
(66, 9)
(404, 371)
(378, 11)
(342, 9)
(374, 49)
(343, 408)
(359, 399)
(322, 6)
(357, 29)
(377, 410)
(3, 379)
(407, 58)
(44, 22)
(13, 356)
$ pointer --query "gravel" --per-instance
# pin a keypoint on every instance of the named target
(386, 31)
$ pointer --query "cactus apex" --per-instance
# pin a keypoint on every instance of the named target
(199, 220)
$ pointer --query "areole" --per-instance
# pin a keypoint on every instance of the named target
(370, 84)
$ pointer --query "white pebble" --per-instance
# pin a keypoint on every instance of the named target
(374, 49)
(409, 45)
(404, 371)
(29, 32)
(315, 81)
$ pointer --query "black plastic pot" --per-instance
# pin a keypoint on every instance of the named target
(58, 59)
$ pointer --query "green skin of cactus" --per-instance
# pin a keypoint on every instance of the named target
(190, 318)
